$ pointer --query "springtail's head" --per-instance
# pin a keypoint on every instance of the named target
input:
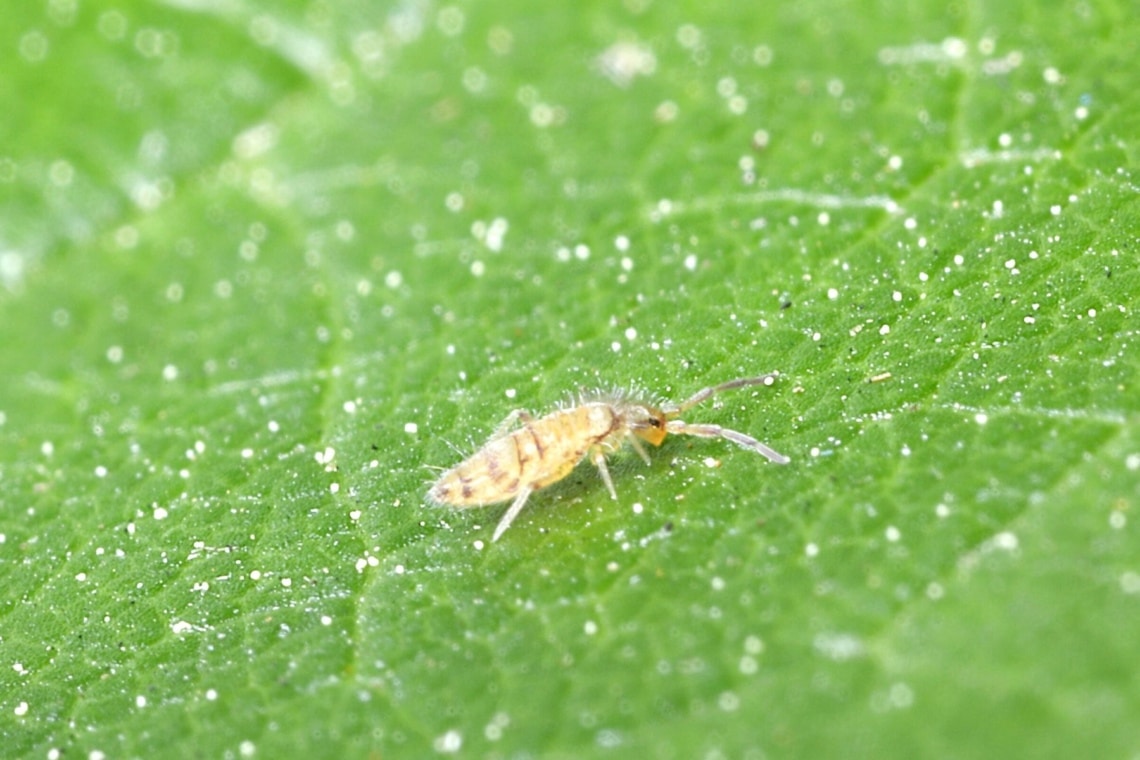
(648, 423)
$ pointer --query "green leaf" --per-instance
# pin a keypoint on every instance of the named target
(263, 268)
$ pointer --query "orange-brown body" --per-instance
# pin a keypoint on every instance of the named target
(514, 463)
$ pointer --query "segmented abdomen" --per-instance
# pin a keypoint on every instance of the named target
(541, 452)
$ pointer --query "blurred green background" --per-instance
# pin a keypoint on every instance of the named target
(265, 267)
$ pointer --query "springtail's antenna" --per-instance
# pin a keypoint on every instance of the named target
(705, 393)
(681, 427)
